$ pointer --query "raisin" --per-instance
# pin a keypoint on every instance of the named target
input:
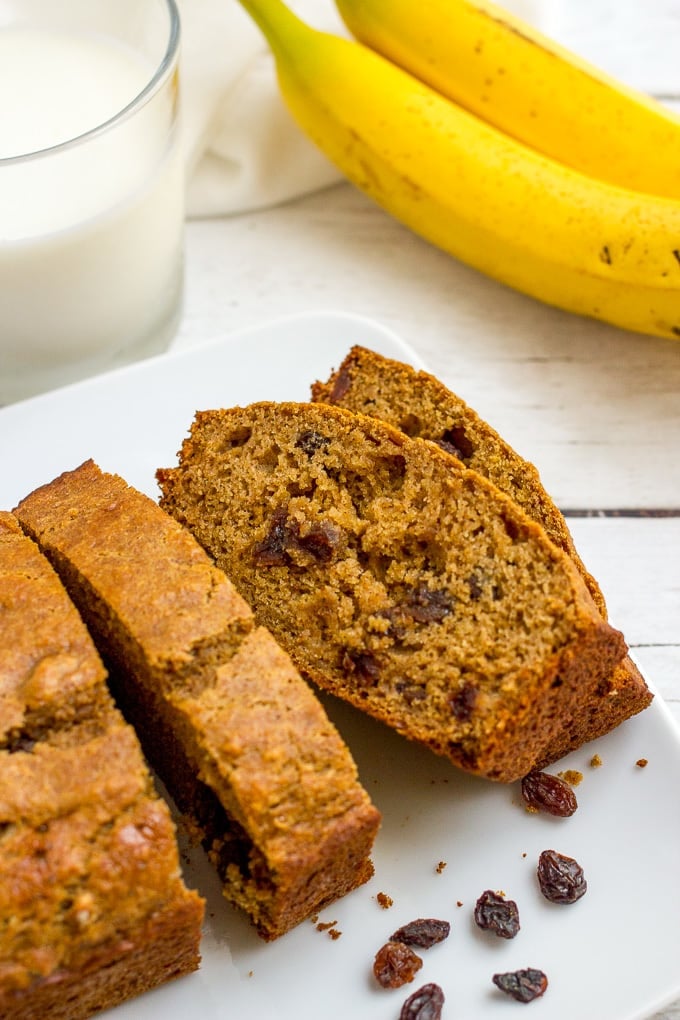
(424, 932)
(449, 448)
(455, 441)
(411, 693)
(420, 605)
(544, 792)
(427, 605)
(561, 878)
(523, 985)
(395, 965)
(20, 742)
(494, 913)
(475, 583)
(321, 541)
(271, 551)
(363, 666)
(463, 702)
(425, 1004)
(310, 442)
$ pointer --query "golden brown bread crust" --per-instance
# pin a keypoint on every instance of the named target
(420, 405)
(92, 906)
(396, 578)
(238, 737)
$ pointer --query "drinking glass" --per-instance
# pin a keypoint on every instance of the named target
(91, 188)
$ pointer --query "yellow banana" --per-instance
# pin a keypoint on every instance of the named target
(501, 69)
(510, 212)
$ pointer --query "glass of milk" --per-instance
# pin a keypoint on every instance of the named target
(91, 188)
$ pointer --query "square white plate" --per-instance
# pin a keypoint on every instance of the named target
(614, 955)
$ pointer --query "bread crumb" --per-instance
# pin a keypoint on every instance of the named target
(326, 925)
(440, 867)
(642, 763)
(595, 761)
(334, 933)
(459, 903)
(384, 900)
(571, 776)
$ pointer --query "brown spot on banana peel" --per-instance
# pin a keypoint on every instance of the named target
(606, 255)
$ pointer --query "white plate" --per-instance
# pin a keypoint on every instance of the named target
(614, 955)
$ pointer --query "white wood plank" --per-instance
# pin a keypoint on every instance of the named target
(661, 665)
(637, 563)
(632, 40)
(596, 408)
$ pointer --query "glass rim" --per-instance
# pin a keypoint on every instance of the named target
(152, 86)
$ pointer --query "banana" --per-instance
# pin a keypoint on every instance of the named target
(501, 69)
(527, 221)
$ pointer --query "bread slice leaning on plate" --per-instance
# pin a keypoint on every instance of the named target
(397, 578)
(420, 405)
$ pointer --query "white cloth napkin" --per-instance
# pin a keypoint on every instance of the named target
(243, 149)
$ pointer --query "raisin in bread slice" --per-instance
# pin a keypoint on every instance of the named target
(93, 909)
(419, 405)
(397, 579)
(240, 740)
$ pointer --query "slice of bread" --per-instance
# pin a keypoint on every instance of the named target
(93, 909)
(396, 578)
(240, 740)
(419, 405)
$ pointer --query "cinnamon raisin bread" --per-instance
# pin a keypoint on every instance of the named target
(419, 405)
(92, 906)
(240, 740)
(398, 579)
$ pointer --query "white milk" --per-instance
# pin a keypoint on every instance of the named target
(90, 234)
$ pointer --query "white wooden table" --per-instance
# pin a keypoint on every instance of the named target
(596, 409)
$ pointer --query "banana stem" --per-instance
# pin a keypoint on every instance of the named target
(282, 28)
